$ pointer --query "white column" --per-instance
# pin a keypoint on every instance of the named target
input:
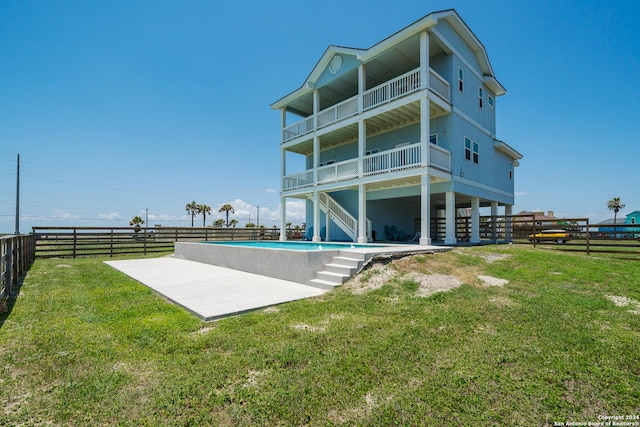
(362, 215)
(362, 126)
(494, 221)
(425, 210)
(425, 129)
(327, 227)
(475, 220)
(450, 238)
(283, 218)
(316, 217)
(508, 231)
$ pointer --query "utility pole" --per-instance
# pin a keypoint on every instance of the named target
(146, 217)
(258, 208)
(18, 197)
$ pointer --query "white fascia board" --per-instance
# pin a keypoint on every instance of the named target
(506, 149)
(494, 85)
(415, 28)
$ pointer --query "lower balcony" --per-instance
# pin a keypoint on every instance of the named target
(384, 162)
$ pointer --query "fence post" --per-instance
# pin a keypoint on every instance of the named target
(533, 216)
(587, 236)
(75, 241)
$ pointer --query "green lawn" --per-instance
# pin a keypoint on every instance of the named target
(85, 345)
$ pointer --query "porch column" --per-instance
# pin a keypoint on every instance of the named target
(425, 210)
(508, 230)
(362, 215)
(475, 220)
(494, 221)
(316, 217)
(450, 213)
(362, 126)
(283, 218)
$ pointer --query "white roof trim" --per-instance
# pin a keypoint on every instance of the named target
(506, 149)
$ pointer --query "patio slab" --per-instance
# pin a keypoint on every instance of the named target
(208, 291)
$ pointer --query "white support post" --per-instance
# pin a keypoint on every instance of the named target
(362, 214)
(327, 226)
(508, 231)
(425, 128)
(425, 210)
(316, 217)
(494, 221)
(450, 212)
(475, 220)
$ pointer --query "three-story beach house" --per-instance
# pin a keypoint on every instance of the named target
(393, 137)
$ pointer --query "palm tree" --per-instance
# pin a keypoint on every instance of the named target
(204, 210)
(615, 205)
(192, 209)
(233, 222)
(226, 208)
(136, 222)
(218, 223)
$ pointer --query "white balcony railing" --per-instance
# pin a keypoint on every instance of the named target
(338, 112)
(389, 91)
(439, 85)
(439, 158)
(338, 171)
(392, 90)
(401, 158)
(392, 160)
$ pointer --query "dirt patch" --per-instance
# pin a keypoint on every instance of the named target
(491, 258)
(433, 283)
(492, 281)
(372, 278)
(620, 301)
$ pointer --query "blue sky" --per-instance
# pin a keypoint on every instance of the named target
(121, 106)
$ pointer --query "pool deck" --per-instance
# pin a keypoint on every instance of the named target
(214, 292)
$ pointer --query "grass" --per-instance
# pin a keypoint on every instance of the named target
(85, 345)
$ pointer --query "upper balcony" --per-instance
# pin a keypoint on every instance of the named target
(387, 92)
(381, 163)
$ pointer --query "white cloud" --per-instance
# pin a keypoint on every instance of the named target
(271, 190)
(59, 214)
(110, 216)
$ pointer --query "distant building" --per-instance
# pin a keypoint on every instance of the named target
(633, 218)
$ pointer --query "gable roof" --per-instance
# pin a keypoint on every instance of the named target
(364, 55)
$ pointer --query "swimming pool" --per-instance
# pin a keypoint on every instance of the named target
(295, 246)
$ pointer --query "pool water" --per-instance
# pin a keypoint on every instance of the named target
(296, 246)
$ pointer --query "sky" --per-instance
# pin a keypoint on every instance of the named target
(126, 108)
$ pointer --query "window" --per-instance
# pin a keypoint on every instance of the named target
(460, 80)
(434, 139)
(471, 149)
(490, 98)
(480, 97)
(510, 170)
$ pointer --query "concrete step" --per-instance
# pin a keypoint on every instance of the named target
(322, 284)
(328, 276)
(347, 261)
(346, 270)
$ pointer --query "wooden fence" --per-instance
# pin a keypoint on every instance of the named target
(112, 241)
(16, 256)
(621, 240)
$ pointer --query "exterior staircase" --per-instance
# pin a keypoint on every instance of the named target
(340, 269)
(339, 215)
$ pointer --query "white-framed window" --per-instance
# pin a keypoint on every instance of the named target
(372, 151)
(510, 170)
(433, 139)
(490, 100)
(480, 97)
(471, 150)
(460, 79)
